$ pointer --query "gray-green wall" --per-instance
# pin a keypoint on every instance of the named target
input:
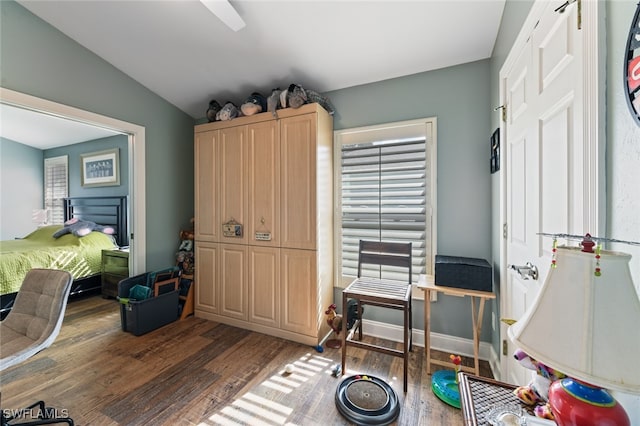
(21, 177)
(39, 60)
(74, 151)
(459, 97)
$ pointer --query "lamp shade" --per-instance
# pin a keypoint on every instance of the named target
(583, 325)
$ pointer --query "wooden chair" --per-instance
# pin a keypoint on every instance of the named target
(380, 292)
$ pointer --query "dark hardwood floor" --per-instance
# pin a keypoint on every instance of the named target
(198, 372)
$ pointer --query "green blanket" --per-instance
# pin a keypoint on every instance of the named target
(79, 255)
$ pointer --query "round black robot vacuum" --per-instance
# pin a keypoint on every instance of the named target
(367, 400)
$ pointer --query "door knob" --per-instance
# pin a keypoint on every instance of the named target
(527, 271)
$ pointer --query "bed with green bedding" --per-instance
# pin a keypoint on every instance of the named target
(79, 255)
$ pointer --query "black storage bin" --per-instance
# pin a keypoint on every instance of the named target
(463, 272)
(142, 316)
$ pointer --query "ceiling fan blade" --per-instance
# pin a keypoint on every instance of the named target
(225, 12)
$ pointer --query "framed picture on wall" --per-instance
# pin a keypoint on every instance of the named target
(100, 168)
(495, 151)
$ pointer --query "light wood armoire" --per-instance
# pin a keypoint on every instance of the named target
(274, 177)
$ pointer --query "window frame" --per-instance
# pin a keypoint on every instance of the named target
(51, 163)
(391, 130)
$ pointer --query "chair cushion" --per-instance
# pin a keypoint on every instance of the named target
(36, 317)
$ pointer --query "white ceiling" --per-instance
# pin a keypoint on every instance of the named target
(186, 55)
(45, 131)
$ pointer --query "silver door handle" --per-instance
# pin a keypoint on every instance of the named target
(527, 271)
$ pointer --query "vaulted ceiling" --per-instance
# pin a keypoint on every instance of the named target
(188, 56)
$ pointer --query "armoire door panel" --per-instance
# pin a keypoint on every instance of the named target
(233, 180)
(233, 281)
(299, 277)
(264, 285)
(207, 226)
(206, 278)
(263, 223)
(298, 184)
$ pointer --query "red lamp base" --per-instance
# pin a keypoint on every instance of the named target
(575, 403)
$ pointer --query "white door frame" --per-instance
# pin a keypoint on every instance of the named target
(136, 136)
(593, 130)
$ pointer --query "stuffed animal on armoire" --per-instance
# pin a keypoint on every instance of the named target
(228, 112)
(254, 104)
(212, 110)
(296, 96)
(273, 102)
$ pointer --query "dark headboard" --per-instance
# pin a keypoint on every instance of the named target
(110, 211)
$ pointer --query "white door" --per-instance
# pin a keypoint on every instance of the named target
(546, 168)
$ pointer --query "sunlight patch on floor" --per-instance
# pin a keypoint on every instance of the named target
(256, 410)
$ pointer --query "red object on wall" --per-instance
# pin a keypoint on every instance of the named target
(633, 74)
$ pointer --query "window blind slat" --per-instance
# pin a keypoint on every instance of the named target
(384, 197)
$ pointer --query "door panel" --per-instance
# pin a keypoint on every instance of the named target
(298, 190)
(299, 306)
(207, 226)
(233, 180)
(264, 286)
(206, 277)
(545, 165)
(233, 281)
(264, 183)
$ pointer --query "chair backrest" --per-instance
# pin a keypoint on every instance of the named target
(36, 317)
(384, 254)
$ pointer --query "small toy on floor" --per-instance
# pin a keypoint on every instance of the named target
(336, 370)
(444, 383)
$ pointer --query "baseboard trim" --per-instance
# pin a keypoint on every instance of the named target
(441, 342)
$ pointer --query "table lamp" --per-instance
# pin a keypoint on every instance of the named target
(585, 323)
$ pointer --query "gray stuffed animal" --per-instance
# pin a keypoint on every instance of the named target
(313, 96)
(212, 111)
(228, 112)
(273, 101)
(296, 96)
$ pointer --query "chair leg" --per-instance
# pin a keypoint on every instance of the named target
(406, 345)
(359, 320)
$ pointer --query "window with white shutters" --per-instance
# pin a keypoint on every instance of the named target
(56, 187)
(387, 193)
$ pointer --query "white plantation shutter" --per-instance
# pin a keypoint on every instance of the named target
(386, 196)
(56, 187)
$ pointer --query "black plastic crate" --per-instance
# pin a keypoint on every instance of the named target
(142, 316)
(463, 272)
